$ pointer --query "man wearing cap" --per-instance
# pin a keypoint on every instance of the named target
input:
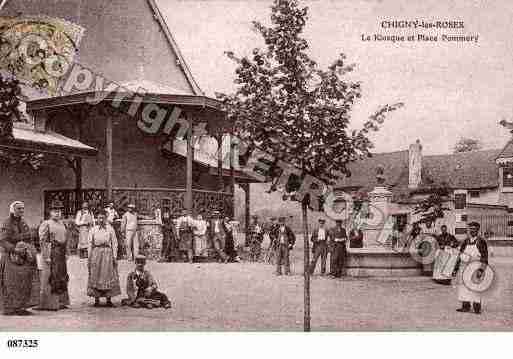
(217, 235)
(338, 249)
(255, 232)
(285, 240)
(185, 226)
(473, 250)
(320, 238)
(142, 289)
(129, 227)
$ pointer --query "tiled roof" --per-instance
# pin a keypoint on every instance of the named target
(469, 170)
(507, 151)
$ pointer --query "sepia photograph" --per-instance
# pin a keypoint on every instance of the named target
(255, 166)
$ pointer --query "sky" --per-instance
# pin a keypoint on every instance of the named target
(450, 89)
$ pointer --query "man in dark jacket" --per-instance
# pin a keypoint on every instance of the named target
(217, 235)
(338, 249)
(320, 238)
(285, 240)
(446, 239)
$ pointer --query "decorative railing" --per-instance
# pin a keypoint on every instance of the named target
(145, 199)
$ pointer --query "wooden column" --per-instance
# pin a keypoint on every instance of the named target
(108, 151)
(190, 157)
(232, 164)
(78, 182)
(247, 206)
(78, 165)
(220, 161)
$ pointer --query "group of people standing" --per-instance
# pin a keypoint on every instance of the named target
(325, 242)
(33, 266)
(189, 237)
(329, 241)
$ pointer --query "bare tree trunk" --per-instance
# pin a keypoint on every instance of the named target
(306, 325)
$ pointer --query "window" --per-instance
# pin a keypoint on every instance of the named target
(460, 200)
(474, 194)
(507, 176)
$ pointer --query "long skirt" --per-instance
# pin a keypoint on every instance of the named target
(49, 299)
(16, 285)
(445, 262)
(83, 237)
(103, 280)
(201, 245)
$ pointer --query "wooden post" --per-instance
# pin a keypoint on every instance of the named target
(78, 166)
(220, 161)
(190, 157)
(306, 271)
(246, 188)
(232, 164)
(108, 142)
(78, 183)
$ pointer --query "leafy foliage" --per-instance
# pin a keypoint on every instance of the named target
(10, 97)
(289, 107)
(431, 209)
(465, 144)
(9, 102)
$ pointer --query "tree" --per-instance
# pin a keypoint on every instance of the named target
(465, 144)
(9, 102)
(431, 208)
(287, 106)
(10, 97)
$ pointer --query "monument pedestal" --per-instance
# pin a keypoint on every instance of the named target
(378, 258)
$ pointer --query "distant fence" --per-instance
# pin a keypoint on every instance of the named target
(499, 225)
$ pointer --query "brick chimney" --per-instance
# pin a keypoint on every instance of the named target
(414, 165)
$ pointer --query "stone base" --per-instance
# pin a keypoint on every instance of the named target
(381, 262)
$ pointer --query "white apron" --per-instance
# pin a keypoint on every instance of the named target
(464, 293)
(445, 262)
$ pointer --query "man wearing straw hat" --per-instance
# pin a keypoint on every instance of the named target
(285, 240)
(129, 227)
(217, 234)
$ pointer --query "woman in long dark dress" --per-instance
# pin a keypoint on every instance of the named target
(17, 263)
(54, 272)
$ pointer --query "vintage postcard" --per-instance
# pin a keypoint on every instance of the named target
(255, 165)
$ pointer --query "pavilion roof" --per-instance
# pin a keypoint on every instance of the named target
(26, 138)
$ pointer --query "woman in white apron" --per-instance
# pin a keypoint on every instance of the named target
(472, 265)
(446, 257)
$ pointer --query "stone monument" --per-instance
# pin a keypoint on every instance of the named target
(377, 258)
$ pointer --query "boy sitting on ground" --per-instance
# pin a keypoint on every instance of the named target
(142, 290)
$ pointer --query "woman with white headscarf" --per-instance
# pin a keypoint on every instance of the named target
(17, 263)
